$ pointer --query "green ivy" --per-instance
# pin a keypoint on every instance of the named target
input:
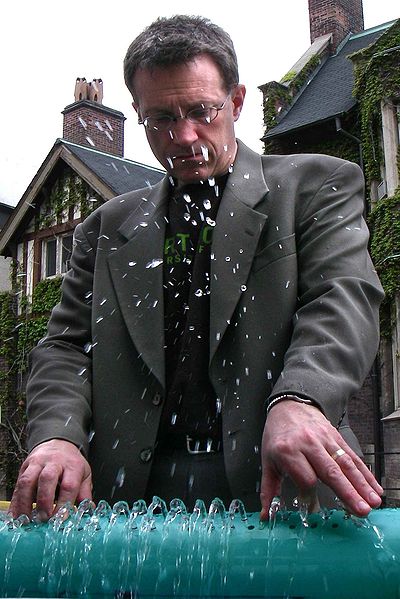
(279, 96)
(20, 334)
(377, 76)
(69, 191)
(384, 221)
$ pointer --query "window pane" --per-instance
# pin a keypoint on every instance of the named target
(51, 247)
(66, 251)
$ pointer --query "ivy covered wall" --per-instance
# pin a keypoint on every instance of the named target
(23, 319)
(377, 78)
(20, 333)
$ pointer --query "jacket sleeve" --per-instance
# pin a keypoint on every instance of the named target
(59, 384)
(336, 326)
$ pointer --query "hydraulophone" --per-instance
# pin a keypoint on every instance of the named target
(142, 552)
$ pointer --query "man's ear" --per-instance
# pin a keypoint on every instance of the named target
(238, 100)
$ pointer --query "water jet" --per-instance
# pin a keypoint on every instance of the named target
(154, 551)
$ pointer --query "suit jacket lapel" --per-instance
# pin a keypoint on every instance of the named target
(235, 240)
(137, 273)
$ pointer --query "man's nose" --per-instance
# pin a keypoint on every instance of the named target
(183, 132)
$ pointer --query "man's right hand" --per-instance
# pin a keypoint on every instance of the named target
(54, 473)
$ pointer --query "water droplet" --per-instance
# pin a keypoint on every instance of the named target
(246, 176)
(154, 263)
(207, 204)
(204, 151)
(198, 293)
(269, 375)
(227, 259)
(131, 263)
(210, 222)
(334, 188)
(120, 478)
(243, 288)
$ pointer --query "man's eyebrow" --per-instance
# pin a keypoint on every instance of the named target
(198, 104)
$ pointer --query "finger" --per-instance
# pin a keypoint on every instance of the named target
(356, 475)
(310, 500)
(346, 480)
(271, 484)
(24, 494)
(369, 477)
(363, 479)
(74, 487)
(85, 492)
(48, 481)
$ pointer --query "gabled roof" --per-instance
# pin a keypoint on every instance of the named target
(120, 174)
(329, 92)
(108, 175)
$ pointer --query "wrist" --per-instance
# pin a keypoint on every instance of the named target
(289, 397)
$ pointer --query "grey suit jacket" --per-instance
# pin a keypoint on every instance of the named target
(294, 309)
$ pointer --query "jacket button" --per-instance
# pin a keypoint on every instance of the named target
(146, 455)
(157, 399)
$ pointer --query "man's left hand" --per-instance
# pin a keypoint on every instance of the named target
(299, 442)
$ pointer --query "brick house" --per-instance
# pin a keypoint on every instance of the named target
(82, 170)
(342, 97)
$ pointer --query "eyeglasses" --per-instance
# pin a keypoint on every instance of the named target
(203, 115)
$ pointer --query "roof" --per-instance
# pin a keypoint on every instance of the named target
(107, 174)
(5, 211)
(329, 92)
(119, 174)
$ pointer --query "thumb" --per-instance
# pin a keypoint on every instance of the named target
(271, 486)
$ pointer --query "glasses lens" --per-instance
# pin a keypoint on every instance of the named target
(202, 116)
(158, 123)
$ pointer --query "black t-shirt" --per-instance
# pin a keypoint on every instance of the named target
(191, 407)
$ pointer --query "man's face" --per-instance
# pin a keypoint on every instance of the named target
(190, 152)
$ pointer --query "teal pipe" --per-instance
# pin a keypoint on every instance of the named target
(143, 553)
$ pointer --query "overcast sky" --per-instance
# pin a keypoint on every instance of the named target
(45, 45)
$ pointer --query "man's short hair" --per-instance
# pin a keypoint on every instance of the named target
(180, 39)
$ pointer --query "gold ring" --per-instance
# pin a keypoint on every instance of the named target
(337, 454)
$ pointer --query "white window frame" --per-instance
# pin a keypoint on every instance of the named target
(59, 267)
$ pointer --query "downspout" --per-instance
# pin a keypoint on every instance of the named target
(379, 450)
(339, 129)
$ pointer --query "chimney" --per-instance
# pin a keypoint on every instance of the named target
(88, 123)
(338, 17)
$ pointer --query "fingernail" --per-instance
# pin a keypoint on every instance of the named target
(374, 497)
(39, 516)
(364, 507)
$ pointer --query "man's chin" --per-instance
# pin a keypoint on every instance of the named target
(192, 172)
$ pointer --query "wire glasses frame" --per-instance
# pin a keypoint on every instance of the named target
(202, 115)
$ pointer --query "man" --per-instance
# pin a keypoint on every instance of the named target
(238, 284)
